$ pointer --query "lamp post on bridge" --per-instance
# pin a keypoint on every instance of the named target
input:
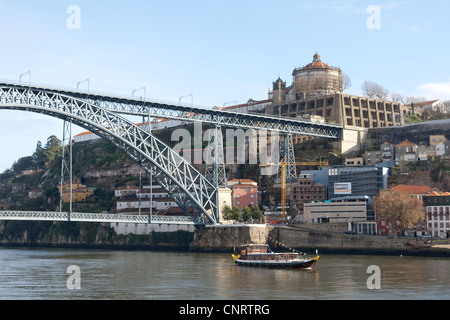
(23, 74)
(189, 95)
(235, 103)
(134, 91)
(86, 80)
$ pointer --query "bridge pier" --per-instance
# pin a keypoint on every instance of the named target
(223, 198)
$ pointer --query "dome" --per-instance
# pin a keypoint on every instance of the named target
(317, 63)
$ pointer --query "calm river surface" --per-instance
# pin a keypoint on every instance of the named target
(41, 274)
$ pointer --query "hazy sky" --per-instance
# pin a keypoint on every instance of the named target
(217, 50)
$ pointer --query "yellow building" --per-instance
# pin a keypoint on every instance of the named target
(436, 139)
(80, 193)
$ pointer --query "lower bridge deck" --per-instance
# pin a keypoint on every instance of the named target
(97, 217)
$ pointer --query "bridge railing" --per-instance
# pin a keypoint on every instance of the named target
(97, 217)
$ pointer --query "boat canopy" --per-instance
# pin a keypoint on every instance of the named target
(255, 248)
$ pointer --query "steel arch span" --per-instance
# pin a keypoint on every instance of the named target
(187, 186)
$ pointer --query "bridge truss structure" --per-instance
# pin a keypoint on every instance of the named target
(103, 115)
(97, 217)
(166, 110)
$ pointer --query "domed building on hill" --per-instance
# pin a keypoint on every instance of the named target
(317, 78)
(317, 94)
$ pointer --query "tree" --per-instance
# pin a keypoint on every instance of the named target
(304, 86)
(346, 82)
(373, 90)
(231, 212)
(38, 156)
(412, 119)
(53, 149)
(23, 164)
(257, 213)
(447, 104)
(400, 210)
(397, 97)
(247, 215)
(411, 99)
(252, 212)
(47, 154)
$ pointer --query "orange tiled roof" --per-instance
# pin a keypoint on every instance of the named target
(317, 65)
(406, 143)
(83, 134)
(436, 194)
(403, 188)
(243, 180)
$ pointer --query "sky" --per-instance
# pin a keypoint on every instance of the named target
(215, 51)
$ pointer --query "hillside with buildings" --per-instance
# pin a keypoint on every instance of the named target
(336, 181)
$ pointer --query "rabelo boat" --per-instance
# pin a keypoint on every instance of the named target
(260, 255)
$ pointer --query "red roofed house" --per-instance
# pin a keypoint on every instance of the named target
(414, 191)
(244, 192)
(405, 151)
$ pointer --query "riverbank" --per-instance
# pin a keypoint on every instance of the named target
(212, 239)
(87, 236)
(310, 239)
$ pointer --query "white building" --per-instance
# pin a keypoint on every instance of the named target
(345, 210)
(433, 105)
(126, 191)
(350, 210)
(438, 214)
(131, 200)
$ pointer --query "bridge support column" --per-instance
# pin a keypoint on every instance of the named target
(287, 156)
(66, 167)
(224, 198)
(214, 158)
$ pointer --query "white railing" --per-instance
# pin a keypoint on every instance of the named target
(96, 217)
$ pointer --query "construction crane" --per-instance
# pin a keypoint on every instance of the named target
(283, 166)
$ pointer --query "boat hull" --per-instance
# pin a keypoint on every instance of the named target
(304, 264)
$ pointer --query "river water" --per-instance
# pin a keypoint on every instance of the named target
(42, 274)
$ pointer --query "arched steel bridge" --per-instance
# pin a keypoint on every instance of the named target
(192, 192)
(164, 110)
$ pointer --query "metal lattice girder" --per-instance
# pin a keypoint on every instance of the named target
(95, 217)
(287, 156)
(215, 160)
(164, 110)
(290, 157)
(184, 184)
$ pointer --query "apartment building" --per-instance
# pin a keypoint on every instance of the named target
(80, 193)
(244, 193)
(438, 214)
